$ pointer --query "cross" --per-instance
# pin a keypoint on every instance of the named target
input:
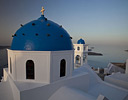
(42, 10)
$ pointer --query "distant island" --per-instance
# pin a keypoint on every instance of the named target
(126, 50)
(95, 54)
(3, 47)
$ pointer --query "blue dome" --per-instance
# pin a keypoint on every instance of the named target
(80, 41)
(41, 35)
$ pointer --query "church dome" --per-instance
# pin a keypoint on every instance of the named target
(81, 41)
(41, 35)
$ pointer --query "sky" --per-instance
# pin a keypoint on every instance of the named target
(96, 21)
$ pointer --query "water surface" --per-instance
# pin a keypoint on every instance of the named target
(110, 54)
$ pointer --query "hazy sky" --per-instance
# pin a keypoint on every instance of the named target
(96, 21)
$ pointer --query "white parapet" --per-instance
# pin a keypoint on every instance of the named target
(5, 71)
(126, 71)
(101, 97)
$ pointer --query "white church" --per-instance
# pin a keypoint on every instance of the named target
(41, 67)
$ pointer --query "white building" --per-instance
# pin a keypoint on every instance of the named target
(80, 53)
(118, 78)
(112, 68)
(40, 67)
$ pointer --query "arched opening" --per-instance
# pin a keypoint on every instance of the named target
(62, 68)
(78, 48)
(10, 66)
(30, 69)
(78, 61)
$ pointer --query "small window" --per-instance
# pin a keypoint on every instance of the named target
(30, 69)
(78, 48)
(10, 66)
(78, 59)
(62, 68)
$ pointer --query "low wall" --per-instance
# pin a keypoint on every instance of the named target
(46, 91)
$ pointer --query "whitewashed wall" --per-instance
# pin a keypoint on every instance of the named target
(82, 52)
(46, 64)
(56, 57)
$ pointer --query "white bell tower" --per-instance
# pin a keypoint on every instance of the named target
(80, 53)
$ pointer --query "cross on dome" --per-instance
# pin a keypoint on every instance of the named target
(42, 10)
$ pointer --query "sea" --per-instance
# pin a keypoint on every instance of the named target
(110, 54)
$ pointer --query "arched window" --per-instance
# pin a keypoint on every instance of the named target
(30, 69)
(62, 68)
(78, 48)
(78, 61)
(10, 66)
